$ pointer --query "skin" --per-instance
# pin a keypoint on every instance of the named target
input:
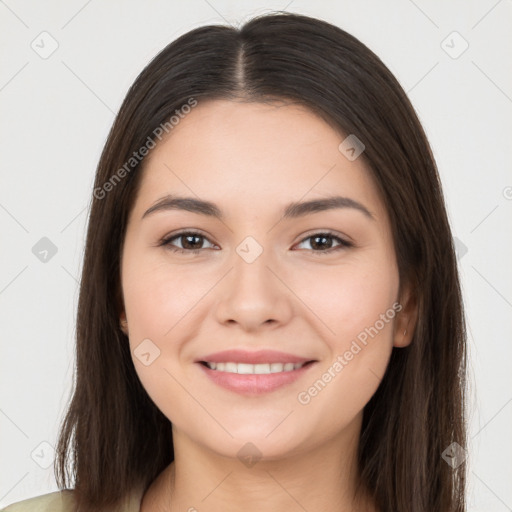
(251, 160)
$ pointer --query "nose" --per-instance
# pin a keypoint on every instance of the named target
(254, 295)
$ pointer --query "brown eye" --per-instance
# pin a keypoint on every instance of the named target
(325, 242)
(188, 241)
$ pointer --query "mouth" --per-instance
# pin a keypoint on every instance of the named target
(254, 372)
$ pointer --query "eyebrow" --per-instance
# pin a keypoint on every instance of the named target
(292, 210)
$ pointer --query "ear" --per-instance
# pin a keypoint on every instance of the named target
(123, 323)
(406, 318)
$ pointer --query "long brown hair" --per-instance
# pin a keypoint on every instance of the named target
(113, 438)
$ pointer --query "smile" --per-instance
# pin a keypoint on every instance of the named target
(254, 369)
(254, 379)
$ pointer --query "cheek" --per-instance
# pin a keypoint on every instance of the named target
(357, 303)
(351, 297)
(158, 296)
(158, 301)
(162, 304)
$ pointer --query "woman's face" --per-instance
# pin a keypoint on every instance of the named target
(317, 283)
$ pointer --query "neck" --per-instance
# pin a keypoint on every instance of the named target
(323, 478)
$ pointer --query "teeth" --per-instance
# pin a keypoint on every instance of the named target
(241, 368)
(230, 367)
(254, 369)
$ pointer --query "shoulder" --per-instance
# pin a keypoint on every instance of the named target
(58, 501)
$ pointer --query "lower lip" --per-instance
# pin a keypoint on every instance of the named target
(254, 384)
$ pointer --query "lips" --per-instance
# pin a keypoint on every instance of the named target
(253, 373)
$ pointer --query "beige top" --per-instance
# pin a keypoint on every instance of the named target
(62, 501)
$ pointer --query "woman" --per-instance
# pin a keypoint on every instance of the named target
(270, 314)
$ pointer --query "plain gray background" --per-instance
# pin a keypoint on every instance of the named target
(56, 111)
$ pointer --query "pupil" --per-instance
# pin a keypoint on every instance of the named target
(323, 244)
(192, 245)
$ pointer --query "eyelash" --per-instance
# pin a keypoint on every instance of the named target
(343, 244)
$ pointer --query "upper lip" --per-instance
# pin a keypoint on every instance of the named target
(261, 356)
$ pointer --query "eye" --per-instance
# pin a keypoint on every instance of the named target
(322, 242)
(190, 242)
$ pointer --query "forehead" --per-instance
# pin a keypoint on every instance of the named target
(234, 151)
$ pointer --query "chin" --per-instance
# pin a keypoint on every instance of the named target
(256, 444)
